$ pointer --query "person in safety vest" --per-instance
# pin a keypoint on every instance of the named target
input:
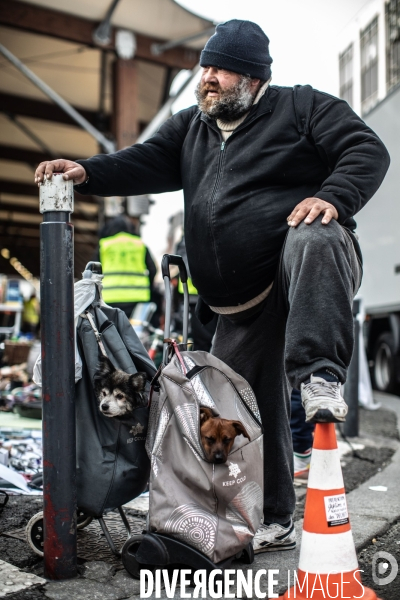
(128, 266)
(31, 315)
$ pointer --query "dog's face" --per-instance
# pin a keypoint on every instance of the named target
(118, 393)
(218, 435)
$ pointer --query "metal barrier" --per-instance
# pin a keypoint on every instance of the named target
(351, 426)
(58, 378)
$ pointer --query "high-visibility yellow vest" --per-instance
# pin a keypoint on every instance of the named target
(31, 311)
(126, 278)
(191, 289)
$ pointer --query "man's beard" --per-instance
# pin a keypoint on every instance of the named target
(230, 104)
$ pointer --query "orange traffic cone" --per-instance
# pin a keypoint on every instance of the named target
(328, 566)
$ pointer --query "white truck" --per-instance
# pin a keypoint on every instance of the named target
(379, 233)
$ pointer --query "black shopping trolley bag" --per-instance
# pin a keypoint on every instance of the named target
(112, 463)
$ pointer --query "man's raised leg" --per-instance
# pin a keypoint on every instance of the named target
(320, 273)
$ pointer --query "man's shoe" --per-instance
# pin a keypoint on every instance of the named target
(270, 538)
(322, 401)
(301, 464)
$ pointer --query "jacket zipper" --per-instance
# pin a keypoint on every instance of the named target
(223, 145)
(213, 195)
(215, 189)
(220, 158)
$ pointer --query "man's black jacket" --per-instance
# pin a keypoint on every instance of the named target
(238, 194)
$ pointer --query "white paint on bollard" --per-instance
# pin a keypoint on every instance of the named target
(56, 194)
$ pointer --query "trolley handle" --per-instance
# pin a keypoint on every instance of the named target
(167, 260)
(174, 259)
(92, 267)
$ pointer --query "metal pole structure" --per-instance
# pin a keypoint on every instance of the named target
(102, 35)
(351, 426)
(165, 111)
(58, 378)
(160, 48)
(30, 134)
(107, 144)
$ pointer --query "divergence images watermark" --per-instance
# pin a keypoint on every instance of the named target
(260, 583)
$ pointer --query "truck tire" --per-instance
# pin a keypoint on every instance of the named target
(384, 370)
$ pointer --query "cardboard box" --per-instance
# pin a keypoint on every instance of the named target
(16, 353)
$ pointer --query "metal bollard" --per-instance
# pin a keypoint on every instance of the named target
(350, 428)
(58, 378)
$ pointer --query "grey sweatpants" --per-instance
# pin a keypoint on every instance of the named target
(305, 324)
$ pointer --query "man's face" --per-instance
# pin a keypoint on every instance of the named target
(225, 95)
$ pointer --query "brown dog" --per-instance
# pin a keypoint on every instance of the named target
(218, 435)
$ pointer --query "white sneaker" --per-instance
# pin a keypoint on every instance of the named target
(301, 464)
(322, 401)
(270, 538)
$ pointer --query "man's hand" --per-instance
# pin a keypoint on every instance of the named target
(71, 170)
(309, 209)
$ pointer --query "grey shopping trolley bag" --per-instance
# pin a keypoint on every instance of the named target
(213, 508)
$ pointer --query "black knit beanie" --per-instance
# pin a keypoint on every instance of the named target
(239, 46)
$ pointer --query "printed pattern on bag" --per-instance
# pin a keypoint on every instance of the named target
(195, 526)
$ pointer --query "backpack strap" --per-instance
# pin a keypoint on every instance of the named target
(97, 334)
(303, 99)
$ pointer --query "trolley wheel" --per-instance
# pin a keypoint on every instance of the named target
(34, 533)
(82, 519)
(248, 555)
(128, 555)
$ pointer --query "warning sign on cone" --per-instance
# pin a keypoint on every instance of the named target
(328, 566)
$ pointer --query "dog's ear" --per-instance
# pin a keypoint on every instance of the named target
(240, 429)
(138, 381)
(205, 414)
(105, 366)
(104, 370)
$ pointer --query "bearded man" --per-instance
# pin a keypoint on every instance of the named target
(269, 201)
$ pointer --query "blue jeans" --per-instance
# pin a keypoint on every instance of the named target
(301, 431)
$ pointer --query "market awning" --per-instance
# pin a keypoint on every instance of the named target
(118, 96)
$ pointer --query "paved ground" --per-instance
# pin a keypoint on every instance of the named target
(375, 519)
(386, 536)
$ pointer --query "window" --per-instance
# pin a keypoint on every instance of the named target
(392, 43)
(369, 66)
(346, 74)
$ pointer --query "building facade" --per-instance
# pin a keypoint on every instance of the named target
(369, 57)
